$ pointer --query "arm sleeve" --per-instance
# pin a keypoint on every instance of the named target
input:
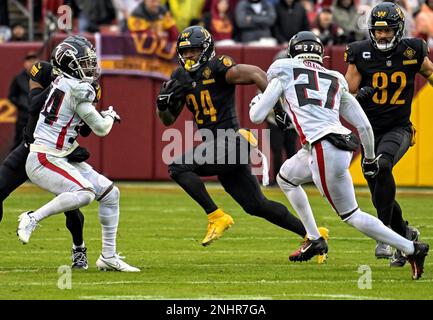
(351, 110)
(100, 126)
(261, 109)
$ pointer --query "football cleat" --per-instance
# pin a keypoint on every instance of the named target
(26, 226)
(219, 221)
(324, 232)
(398, 258)
(79, 258)
(114, 263)
(309, 249)
(383, 250)
(416, 260)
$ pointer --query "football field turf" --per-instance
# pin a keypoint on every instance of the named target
(160, 232)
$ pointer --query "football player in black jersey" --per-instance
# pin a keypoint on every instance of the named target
(13, 172)
(382, 72)
(207, 85)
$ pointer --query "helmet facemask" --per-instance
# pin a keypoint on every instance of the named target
(87, 66)
(398, 33)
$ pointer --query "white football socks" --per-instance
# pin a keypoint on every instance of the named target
(299, 201)
(374, 228)
(109, 219)
(65, 201)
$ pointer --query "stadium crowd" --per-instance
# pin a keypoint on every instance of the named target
(256, 22)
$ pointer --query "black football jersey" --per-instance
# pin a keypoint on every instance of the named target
(393, 73)
(40, 73)
(210, 98)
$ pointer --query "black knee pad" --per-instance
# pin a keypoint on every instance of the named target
(385, 164)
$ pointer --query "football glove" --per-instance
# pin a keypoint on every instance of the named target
(364, 94)
(111, 113)
(370, 167)
(282, 118)
(171, 92)
(84, 129)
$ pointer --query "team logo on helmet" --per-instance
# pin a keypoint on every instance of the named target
(381, 14)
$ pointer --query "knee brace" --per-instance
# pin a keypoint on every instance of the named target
(111, 196)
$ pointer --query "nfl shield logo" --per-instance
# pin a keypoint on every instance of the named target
(388, 63)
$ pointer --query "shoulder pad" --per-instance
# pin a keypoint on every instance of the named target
(226, 61)
(341, 79)
(40, 72)
(83, 91)
(280, 68)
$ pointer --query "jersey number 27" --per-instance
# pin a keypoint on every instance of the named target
(313, 84)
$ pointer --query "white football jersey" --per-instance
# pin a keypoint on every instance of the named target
(57, 127)
(312, 96)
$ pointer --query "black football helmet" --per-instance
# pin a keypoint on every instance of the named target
(307, 46)
(383, 16)
(195, 37)
(75, 57)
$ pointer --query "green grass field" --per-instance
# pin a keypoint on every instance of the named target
(160, 231)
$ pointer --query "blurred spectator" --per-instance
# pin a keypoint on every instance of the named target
(424, 22)
(208, 4)
(255, 19)
(124, 9)
(5, 34)
(347, 17)
(19, 33)
(185, 12)
(281, 141)
(151, 17)
(291, 18)
(94, 13)
(310, 9)
(19, 96)
(328, 32)
(219, 22)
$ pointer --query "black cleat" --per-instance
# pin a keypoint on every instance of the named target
(416, 260)
(309, 249)
(79, 258)
(398, 258)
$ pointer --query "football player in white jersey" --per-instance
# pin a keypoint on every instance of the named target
(75, 184)
(314, 98)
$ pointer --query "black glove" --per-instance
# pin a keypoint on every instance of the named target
(364, 94)
(370, 167)
(80, 154)
(84, 129)
(282, 118)
(170, 94)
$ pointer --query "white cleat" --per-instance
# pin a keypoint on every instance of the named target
(114, 263)
(26, 226)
